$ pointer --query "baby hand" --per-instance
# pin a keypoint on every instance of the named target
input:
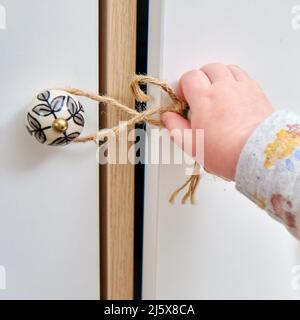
(228, 105)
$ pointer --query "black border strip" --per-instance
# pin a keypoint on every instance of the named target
(141, 68)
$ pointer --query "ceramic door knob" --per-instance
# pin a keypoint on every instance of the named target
(55, 118)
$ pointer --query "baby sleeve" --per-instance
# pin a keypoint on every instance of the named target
(268, 170)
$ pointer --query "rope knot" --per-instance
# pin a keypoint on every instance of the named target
(177, 105)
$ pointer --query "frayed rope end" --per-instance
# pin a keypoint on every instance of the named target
(192, 184)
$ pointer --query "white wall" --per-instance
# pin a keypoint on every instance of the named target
(224, 247)
(49, 238)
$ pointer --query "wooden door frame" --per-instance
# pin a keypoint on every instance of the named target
(117, 50)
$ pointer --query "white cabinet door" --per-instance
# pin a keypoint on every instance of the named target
(49, 230)
(225, 246)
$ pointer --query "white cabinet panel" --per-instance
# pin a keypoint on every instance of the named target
(49, 228)
(224, 247)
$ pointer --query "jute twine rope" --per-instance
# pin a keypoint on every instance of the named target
(136, 117)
